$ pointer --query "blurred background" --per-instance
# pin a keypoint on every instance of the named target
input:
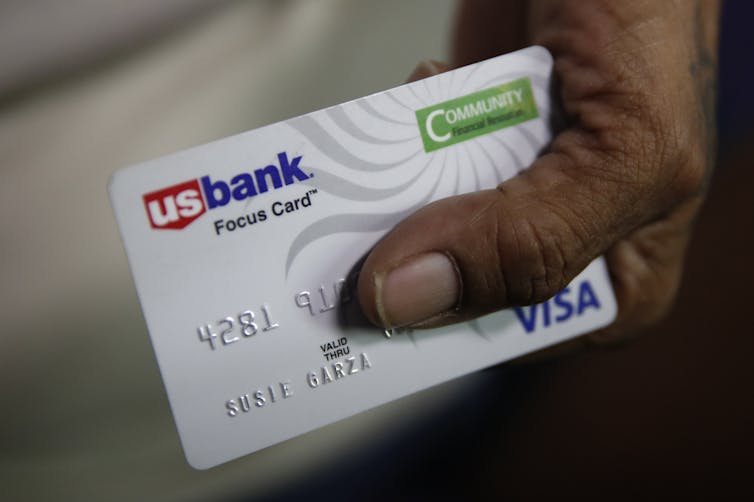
(89, 86)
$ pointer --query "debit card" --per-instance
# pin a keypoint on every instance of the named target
(244, 253)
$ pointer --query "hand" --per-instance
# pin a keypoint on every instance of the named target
(624, 179)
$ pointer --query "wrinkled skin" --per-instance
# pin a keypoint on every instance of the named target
(624, 179)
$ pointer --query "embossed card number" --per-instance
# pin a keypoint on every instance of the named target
(231, 329)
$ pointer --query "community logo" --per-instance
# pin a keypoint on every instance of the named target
(473, 115)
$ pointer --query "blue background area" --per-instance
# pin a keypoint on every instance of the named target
(736, 101)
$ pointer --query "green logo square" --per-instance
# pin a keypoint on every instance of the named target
(476, 114)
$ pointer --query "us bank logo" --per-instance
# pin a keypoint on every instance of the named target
(176, 206)
(476, 114)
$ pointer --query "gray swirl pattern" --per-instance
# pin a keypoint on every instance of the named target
(490, 158)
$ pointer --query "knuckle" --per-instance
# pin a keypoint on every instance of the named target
(680, 157)
(674, 153)
(659, 279)
(646, 272)
(534, 262)
(645, 161)
(689, 173)
(645, 140)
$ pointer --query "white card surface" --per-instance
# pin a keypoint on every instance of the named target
(243, 250)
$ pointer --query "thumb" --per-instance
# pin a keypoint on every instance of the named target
(472, 254)
(469, 255)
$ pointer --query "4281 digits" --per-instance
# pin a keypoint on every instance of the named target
(232, 329)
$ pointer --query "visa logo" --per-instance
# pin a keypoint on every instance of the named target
(559, 308)
(177, 206)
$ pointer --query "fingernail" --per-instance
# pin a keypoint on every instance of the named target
(423, 287)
